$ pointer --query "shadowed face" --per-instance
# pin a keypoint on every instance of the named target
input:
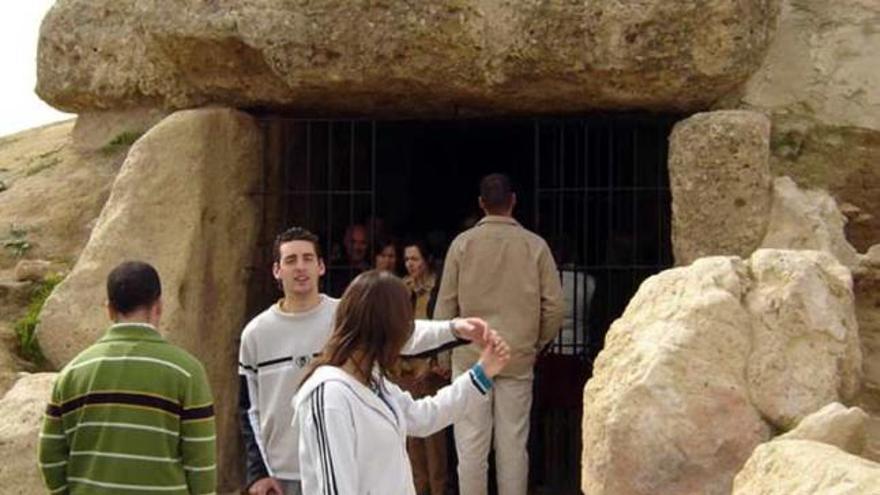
(356, 245)
(386, 259)
(415, 262)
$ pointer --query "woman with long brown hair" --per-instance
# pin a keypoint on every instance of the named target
(353, 421)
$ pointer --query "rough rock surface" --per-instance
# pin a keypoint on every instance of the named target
(802, 467)
(834, 424)
(709, 149)
(32, 270)
(806, 350)
(840, 160)
(807, 219)
(822, 63)
(21, 415)
(41, 167)
(181, 203)
(442, 57)
(112, 129)
(867, 292)
(820, 82)
(706, 361)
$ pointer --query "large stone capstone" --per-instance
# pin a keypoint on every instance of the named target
(446, 57)
(182, 201)
(708, 361)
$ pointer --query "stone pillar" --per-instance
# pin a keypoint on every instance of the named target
(721, 184)
(181, 203)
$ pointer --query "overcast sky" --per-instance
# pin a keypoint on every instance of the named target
(20, 108)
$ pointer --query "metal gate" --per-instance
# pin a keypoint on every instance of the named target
(318, 174)
(602, 202)
(596, 189)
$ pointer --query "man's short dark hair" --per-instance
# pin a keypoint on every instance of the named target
(295, 234)
(133, 285)
(496, 193)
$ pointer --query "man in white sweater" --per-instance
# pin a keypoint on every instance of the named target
(278, 344)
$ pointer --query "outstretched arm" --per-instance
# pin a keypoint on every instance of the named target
(453, 402)
(433, 336)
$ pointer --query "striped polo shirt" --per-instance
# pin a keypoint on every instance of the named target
(130, 414)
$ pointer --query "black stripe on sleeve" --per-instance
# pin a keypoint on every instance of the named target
(53, 411)
(274, 361)
(335, 489)
(197, 413)
(319, 435)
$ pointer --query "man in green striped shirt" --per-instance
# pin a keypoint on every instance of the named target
(132, 413)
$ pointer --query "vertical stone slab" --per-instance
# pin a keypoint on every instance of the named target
(180, 202)
(721, 184)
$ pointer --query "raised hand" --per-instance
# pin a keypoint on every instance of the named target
(495, 355)
(475, 330)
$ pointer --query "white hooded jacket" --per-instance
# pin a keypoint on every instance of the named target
(353, 439)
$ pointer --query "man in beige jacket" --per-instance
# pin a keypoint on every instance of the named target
(505, 274)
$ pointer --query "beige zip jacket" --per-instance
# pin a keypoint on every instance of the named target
(501, 272)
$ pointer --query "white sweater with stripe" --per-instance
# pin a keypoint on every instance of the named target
(353, 440)
(276, 348)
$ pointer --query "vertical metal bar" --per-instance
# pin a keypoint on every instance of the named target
(373, 171)
(661, 194)
(574, 255)
(635, 167)
(561, 183)
(609, 248)
(537, 167)
(309, 184)
(587, 237)
(352, 189)
(269, 138)
(560, 203)
(330, 188)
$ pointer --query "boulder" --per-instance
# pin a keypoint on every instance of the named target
(182, 201)
(705, 151)
(685, 387)
(802, 467)
(407, 58)
(21, 416)
(807, 219)
(806, 350)
(32, 270)
(834, 424)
